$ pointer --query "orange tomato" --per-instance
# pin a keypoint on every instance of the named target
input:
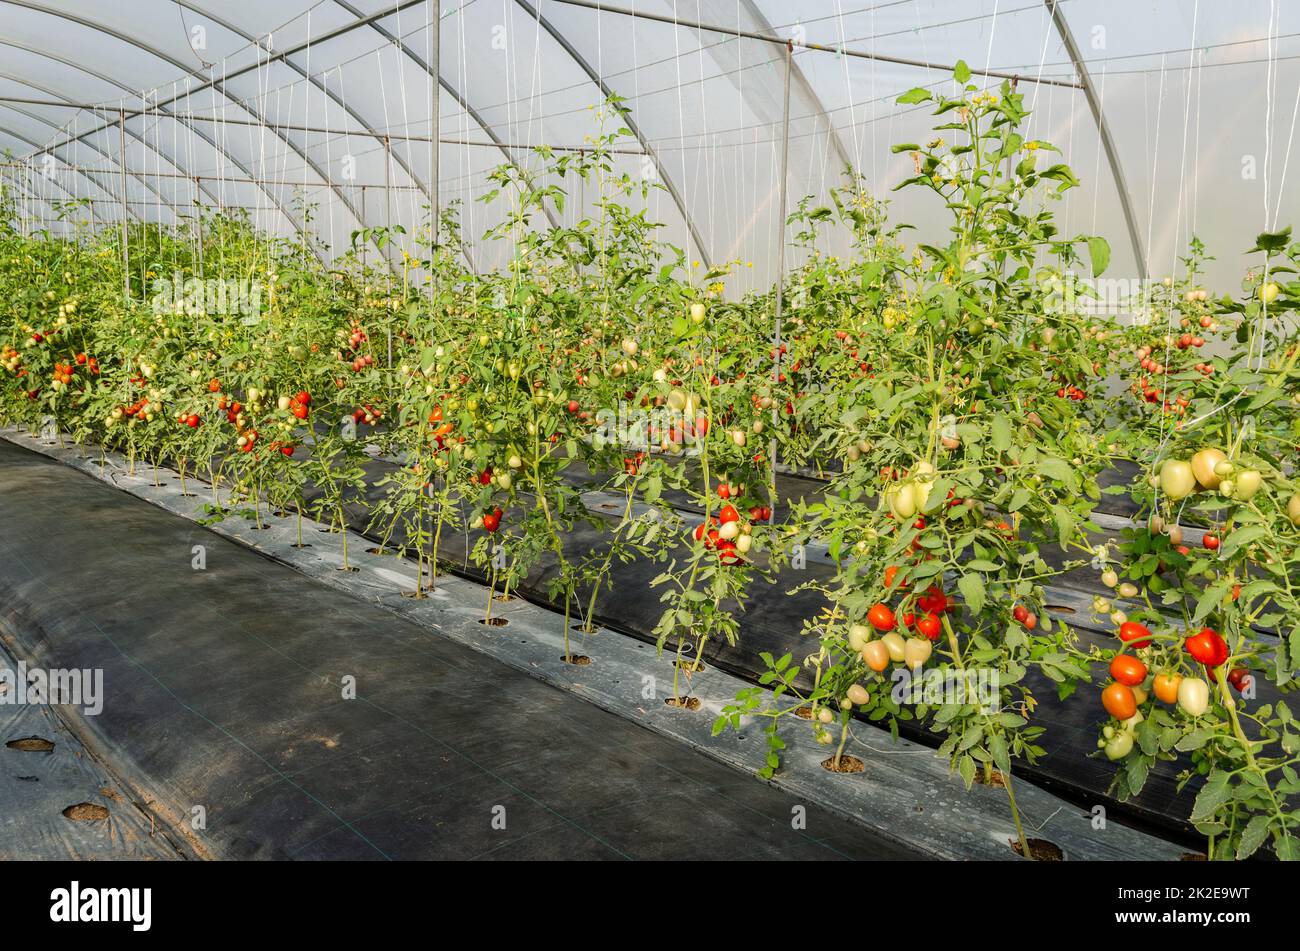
(876, 654)
(1166, 686)
(1119, 701)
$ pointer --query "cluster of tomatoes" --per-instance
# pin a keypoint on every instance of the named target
(296, 405)
(727, 533)
(924, 614)
(1127, 690)
(1209, 470)
(892, 647)
(350, 355)
(62, 375)
(367, 414)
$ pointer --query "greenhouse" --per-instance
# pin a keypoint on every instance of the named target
(656, 429)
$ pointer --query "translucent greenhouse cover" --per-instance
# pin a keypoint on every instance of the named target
(1179, 116)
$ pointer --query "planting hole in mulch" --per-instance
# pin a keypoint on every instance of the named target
(416, 595)
(503, 598)
(848, 764)
(1192, 857)
(577, 660)
(347, 568)
(375, 551)
(686, 703)
(1060, 609)
(494, 621)
(687, 665)
(300, 545)
(1040, 850)
(994, 779)
(803, 713)
(86, 812)
(189, 495)
(31, 744)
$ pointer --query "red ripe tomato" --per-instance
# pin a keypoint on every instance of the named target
(491, 522)
(299, 410)
(1239, 677)
(1210, 541)
(929, 626)
(303, 397)
(1128, 670)
(485, 476)
(1020, 613)
(727, 553)
(881, 617)
(1131, 631)
(724, 491)
(699, 532)
(192, 421)
(287, 450)
(1119, 701)
(1207, 647)
(728, 514)
(934, 601)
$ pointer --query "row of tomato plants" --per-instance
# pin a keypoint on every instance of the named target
(962, 414)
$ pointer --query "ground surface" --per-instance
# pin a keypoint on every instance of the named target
(224, 700)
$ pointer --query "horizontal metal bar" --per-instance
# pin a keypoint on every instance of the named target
(818, 47)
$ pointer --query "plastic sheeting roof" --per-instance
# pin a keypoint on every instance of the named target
(265, 106)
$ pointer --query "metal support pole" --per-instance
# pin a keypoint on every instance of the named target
(198, 225)
(365, 219)
(780, 263)
(435, 117)
(388, 223)
(126, 254)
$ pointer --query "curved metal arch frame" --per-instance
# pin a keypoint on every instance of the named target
(105, 78)
(366, 130)
(90, 177)
(452, 91)
(26, 194)
(140, 177)
(63, 188)
(79, 173)
(800, 78)
(217, 85)
(1103, 131)
(535, 14)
